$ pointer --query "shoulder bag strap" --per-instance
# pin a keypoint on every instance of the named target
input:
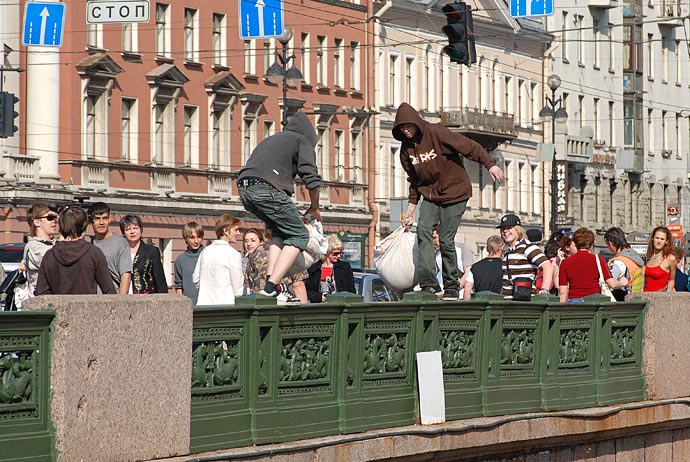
(601, 275)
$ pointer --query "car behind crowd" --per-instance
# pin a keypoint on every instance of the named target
(372, 288)
(11, 255)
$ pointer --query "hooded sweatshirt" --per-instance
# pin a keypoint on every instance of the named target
(281, 157)
(433, 159)
(620, 270)
(74, 268)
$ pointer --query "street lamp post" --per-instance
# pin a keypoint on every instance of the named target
(280, 73)
(553, 111)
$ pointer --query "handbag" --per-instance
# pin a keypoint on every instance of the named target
(605, 290)
(522, 286)
(9, 284)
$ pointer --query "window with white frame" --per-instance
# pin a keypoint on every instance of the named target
(305, 59)
(595, 116)
(191, 34)
(321, 61)
(355, 156)
(338, 64)
(426, 84)
(664, 131)
(163, 134)
(190, 137)
(129, 129)
(508, 99)
(94, 145)
(249, 58)
(581, 110)
(355, 68)
(523, 184)
(612, 124)
(581, 42)
(679, 65)
(535, 102)
(665, 42)
(409, 80)
(392, 78)
(219, 143)
(678, 148)
(650, 56)
(564, 36)
(94, 36)
(218, 39)
(650, 130)
(520, 107)
(597, 40)
(269, 128)
(248, 137)
(130, 38)
(611, 47)
(338, 157)
(442, 80)
(163, 30)
(322, 152)
(268, 54)
(536, 189)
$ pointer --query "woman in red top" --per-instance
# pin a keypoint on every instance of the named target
(660, 262)
(578, 275)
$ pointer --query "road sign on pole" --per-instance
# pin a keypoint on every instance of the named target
(44, 24)
(125, 11)
(260, 18)
(530, 8)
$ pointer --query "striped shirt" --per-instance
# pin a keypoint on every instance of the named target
(524, 259)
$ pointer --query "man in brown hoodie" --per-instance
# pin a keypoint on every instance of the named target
(432, 155)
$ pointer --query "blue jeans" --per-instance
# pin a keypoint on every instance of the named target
(576, 300)
(448, 219)
(280, 214)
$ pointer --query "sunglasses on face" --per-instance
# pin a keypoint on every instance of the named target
(336, 253)
(51, 217)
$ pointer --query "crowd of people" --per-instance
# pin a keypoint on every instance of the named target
(60, 259)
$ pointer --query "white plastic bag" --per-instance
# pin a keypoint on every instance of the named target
(316, 248)
(397, 262)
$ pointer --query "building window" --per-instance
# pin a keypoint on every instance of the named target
(611, 47)
(268, 54)
(595, 114)
(678, 147)
(191, 35)
(392, 78)
(218, 40)
(612, 125)
(564, 37)
(338, 64)
(321, 61)
(95, 127)
(426, 90)
(679, 65)
(520, 106)
(409, 89)
(650, 129)
(219, 144)
(248, 138)
(650, 56)
(580, 25)
(581, 110)
(597, 40)
(306, 62)
(269, 128)
(249, 58)
(94, 36)
(508, 106)
(130, 38)
(163, 30)
(355, 69)
(664, 59)
(664, 132)
(129, 130)
(338, 158)
(322, 153)
(355, 156)
(190, 137)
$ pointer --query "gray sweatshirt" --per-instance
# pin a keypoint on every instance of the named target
(281, 157)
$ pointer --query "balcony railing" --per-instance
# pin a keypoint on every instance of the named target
(671, 14)
(95, 175)
(21, 168)
(478, 119)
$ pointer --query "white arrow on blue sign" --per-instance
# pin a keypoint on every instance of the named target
(530, 8)
(260, 18)
(44, 24)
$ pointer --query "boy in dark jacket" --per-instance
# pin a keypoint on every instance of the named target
(266, 183)
(432, 155)
(74, 266)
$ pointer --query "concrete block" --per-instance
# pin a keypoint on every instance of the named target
(658, 446)
(120, 376)
(665, 354)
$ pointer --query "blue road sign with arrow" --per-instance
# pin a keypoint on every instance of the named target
(260, 18)
(530, 8)
(44, 24)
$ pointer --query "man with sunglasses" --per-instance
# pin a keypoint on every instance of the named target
(43, 229)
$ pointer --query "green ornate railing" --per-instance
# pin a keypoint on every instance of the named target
(24, 387)
(263, 373)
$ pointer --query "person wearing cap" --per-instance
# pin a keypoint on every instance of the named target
(522, 258)
(432, 156)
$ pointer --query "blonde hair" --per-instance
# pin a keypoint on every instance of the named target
(334, 243)
(522, 234)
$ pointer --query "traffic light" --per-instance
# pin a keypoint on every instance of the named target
(460, 32)
(7, 114)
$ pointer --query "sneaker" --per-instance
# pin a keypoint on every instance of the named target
(451, 294)
(268, 294)
(287, 299)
